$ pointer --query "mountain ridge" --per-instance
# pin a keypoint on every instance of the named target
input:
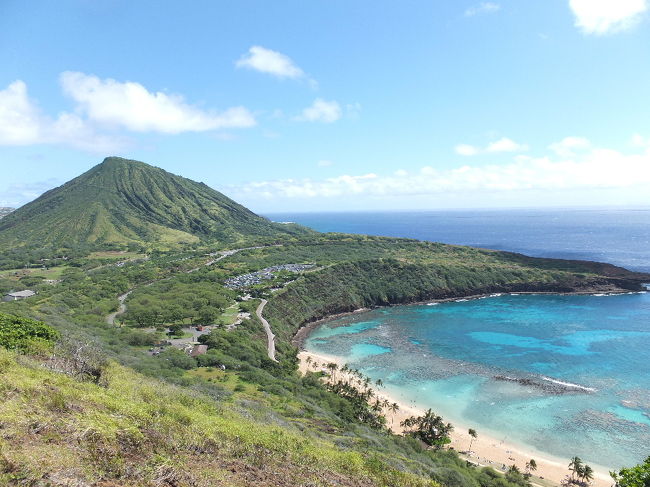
(123, 201)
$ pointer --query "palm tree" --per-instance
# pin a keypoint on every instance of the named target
(575, 467)
(393, 408)
(587, 474)
(308, 360)
(531, 466)
(332, 366)
(379, 383)
(473, 435)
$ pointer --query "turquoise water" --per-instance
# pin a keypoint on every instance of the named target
(584, 362)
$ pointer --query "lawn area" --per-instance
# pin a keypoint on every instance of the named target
(229, 316)
(16, 274)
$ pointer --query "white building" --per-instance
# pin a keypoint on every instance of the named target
(19, 295)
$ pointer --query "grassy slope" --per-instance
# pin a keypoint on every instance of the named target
(51, 423)
(129, 202)
(138, 431)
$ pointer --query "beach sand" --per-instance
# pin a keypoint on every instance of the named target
(486, 450)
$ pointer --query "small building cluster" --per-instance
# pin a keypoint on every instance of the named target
(248, 280)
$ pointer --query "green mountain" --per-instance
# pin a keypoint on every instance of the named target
(4, 211)
(121, 201)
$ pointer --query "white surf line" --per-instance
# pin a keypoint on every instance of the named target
(569, 384)
(270, 348)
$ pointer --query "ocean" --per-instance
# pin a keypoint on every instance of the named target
(617, 236)
(565, 375)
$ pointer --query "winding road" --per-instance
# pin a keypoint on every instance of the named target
(270, 348)
(110, 319)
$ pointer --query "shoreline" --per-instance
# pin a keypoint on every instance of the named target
(299, 338)
(487, 449)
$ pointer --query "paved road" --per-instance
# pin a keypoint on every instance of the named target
(269, 334)
(110, 319)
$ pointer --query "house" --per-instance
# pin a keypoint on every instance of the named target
(19, 295)
(198, 350)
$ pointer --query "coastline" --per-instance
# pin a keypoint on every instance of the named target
(487, 450)
(299, 338)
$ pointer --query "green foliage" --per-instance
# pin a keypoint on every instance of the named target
(637, 476)
(24, 334)
(429, 428)
(193, 298)
(122, 202)
(136, 431)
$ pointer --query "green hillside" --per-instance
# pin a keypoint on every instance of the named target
(4, 211)
(88, 399)
(121, 202)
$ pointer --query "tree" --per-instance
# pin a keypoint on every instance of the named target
(587, 474)
(430, 429)
(637, 476)
(473, 435)
(176, 330)
(575, 466)
(393, 408)
(531, 466)
(332, 367)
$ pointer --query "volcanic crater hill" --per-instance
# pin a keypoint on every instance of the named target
(122, 201)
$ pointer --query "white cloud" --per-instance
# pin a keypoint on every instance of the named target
(23, 123)
(132, 106)
(271, 62)
(482, 8)
(17, 195)
(606, 16)
(321, 111)
(594, 168)
(504, 144)
(466, 150)
(20, 120)
(569, 146)
(639, 140)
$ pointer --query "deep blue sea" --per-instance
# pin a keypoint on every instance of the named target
(617, 236)
(450, 356)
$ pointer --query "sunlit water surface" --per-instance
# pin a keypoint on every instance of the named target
(447, 356)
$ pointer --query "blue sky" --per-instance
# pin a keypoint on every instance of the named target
(334, 105)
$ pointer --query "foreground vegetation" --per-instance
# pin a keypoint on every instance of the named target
(85, 400)
(118, 426)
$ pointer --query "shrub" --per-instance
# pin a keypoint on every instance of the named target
(25, 335)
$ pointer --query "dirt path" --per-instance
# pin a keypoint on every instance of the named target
(110, 319)
(269, 334)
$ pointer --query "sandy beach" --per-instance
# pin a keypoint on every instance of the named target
(486, 450)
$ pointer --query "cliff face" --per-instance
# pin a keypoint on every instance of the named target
(346, 287)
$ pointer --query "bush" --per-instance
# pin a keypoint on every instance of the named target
(179, 359)
(25, 335)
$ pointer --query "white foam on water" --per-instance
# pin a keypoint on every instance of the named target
(569, 384)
